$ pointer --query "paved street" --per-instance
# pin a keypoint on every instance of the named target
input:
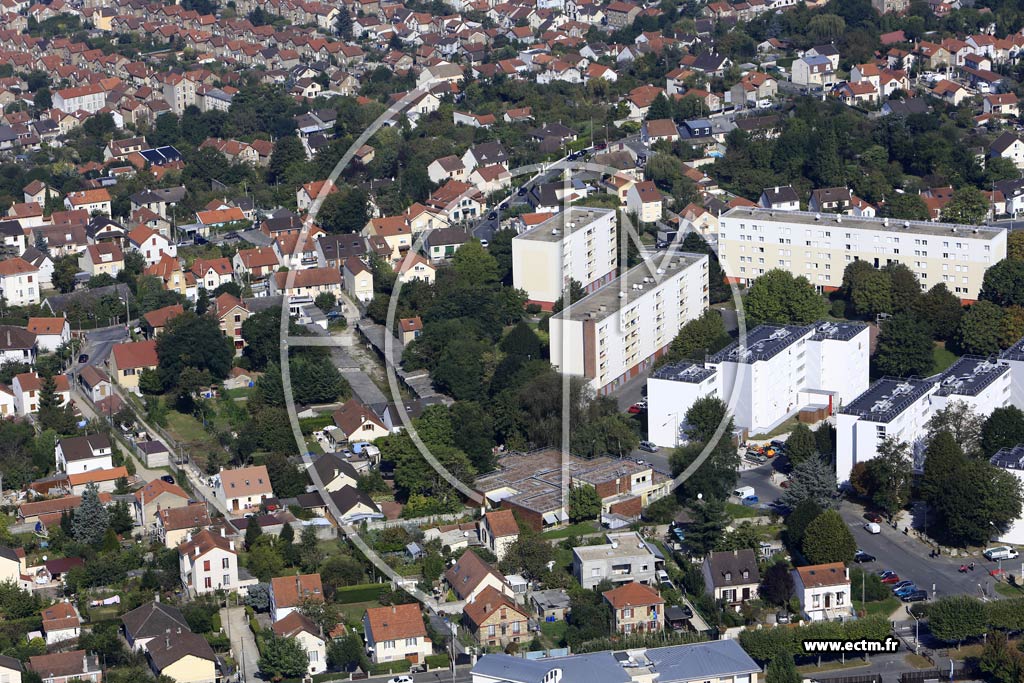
(98, 343)
(243, 644)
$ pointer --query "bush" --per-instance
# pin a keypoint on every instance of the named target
(398, 666)
(438, 661)
(838, 309)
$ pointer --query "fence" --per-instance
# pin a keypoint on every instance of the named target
(960, 674)
(874, 678)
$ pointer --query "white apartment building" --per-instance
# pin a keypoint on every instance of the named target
(579, 244)
(615, 333)
(1014, 357)
(776, 372)
(897, 408)
(19, 282)
(1011, 460)
(91, 98)
(983, 384)
(754, 240)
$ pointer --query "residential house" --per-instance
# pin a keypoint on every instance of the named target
(441, 244)
(51, 333)
(105, 258)
(311, 282)
(409, 329)
(1008, 146)
(780, 198)
(151, 620)
(356, 423)
(44, 263)
(28, 385)
(95, 383)
(625, 557)
(830, 200)
(334, 472)
(183, 656)
(494, 619)
(154, 322)
(1004, 104)
(18, 345)
(645, 200)
(212, 273)
(415, 267)
(174, 524)
(813, 71)
(307, 194)
(231, 314)
(244, 488)
(129, 359)
(61, 622)
(255, 264)
(64, 667)
(636, 608)
(151, 244)
(19, 282)
(93, 201)
(84, 453)
(731, 576)
(170, 273)
(498, 529)
(353, 506)
(298, 627)
(158, 495)
(289, 593)
(470, 575)
(358, 279)
(396, 633)
(824, 591)
(208, 562)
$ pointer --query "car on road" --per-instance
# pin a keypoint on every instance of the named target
(889, 576)
(83, 358)
(872, 528)
(521, 191)
(873, 517)
(1002, 552)
(400, 679)
(637, 408)
(168, 478)
(648, 446)
(750, 501)
(861, 557)
(640, 461)
(915, 596)
(492, 215)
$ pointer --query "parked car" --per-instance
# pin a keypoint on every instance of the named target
(168, 478)
(83, 358)
(782, 618)
(902, 584)
(860, 557)
(750, 501)
(400, 679)
(648, 446)
(778, 445)
(907, 590)
(873, 528)
(889, 576)
(636, 409)
(1002, 552)
(873, 517)
(915, 596)
(756, 456)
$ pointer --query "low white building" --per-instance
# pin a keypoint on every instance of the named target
(78, 454)
(824, 591)
(897, 408)
(395, 633)
(1011, 460)
(983, 384)
(776, 372)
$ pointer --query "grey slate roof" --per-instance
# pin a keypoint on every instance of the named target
(598, 667)
(701, 661)
(153, 619)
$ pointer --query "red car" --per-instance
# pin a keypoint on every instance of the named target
(873, 517)
(634, 409)
(889, 576)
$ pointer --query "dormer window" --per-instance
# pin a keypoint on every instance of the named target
(728, 576)
(746, 574)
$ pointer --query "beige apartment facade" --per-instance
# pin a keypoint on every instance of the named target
(753, 241)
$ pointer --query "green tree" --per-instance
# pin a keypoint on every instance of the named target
(282, 658)
(264, 560)
(812, 479)
(343, 23)
(345, 211)
(474, 265)
(325, 301)
(1015, 245)
(957, 618)
(979, 329)
(904, 347)
(828, 539)
(960, 420)
(708, 522)
(660, 108)
(252, 533)
(940, 309)
(1003, 283)
(906, 206)
(64, 270)
(529, 555)
(287, 151)
(889, 475)
(802, 515)
(1003, 428)
(777, 585)
(347, 653)
(584, 503)
(698, 337)
(149, 382)
(982, 496)
(778, 297)
(871, 293)
(91, 519)
(968, 205)
(782, 669)
(801, 444)
(194, 341)
(943, 461)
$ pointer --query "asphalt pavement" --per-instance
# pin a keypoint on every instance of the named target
(99, 342)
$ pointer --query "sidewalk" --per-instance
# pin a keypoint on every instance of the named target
(243, 643)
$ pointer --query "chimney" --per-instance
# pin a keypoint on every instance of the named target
(222, 534)
(85, 658)
(167, 638)
(231, 546)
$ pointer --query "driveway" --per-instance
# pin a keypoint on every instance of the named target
(243, 644)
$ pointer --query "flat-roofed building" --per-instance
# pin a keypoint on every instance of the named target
(613, 334)
(625, 558)
(1011, 460)
(897, 408)
(754, 240)
(775, 372)
(983, 384)
(578, 244)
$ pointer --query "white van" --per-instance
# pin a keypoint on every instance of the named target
(744, 492)
(873, 528)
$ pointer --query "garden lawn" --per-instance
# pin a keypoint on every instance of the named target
(574, 530)
(943, 358)
(886, 607)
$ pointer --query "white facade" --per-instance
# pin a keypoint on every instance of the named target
(983, 384)
(778, 371)
(208, 563)
(20, 286)
(613, 334)
(1012, 460)
(579, 244)
(889, 408)
(824, 591)
(753, 241)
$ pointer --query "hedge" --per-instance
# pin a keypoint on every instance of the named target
(440, 661)
(397, 666)
(366, 592)
(308, 425)
(331, 676)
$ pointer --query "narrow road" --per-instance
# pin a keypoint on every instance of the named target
(243, 643)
